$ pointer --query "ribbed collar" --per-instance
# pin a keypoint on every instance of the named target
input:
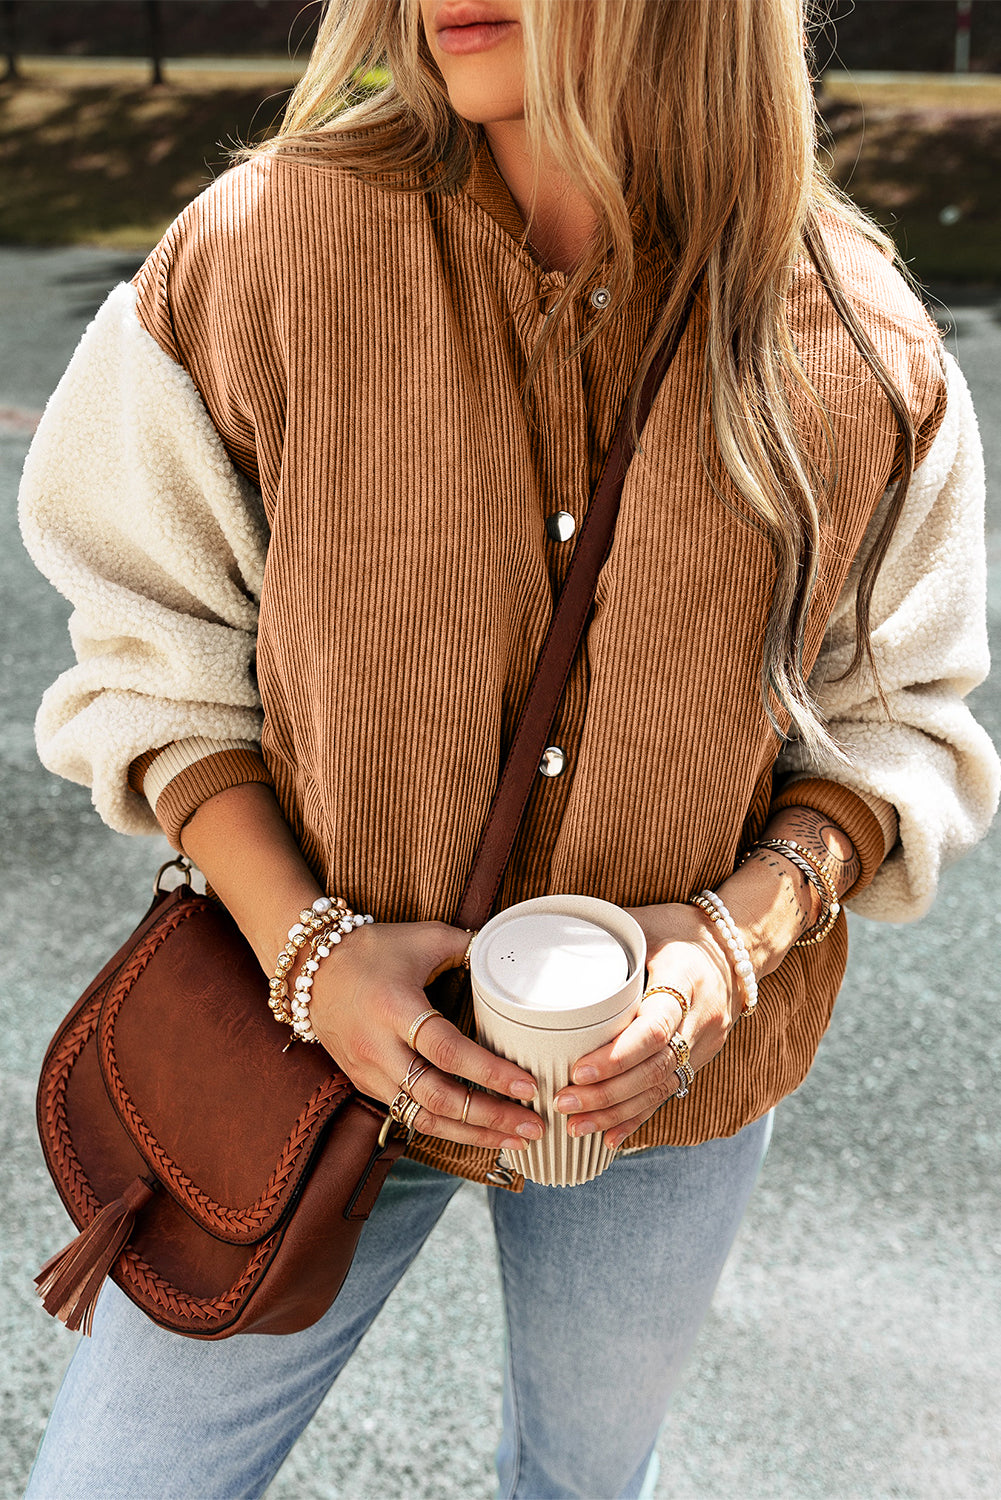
(487, 187)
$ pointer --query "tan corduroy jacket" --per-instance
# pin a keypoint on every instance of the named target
(340, 541)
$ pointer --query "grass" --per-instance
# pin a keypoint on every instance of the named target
(96, 156)
(91, 154)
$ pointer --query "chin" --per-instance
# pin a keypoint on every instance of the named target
(470, 105)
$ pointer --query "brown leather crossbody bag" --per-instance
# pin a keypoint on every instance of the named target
(221, 1181)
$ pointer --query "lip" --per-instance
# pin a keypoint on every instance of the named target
(460, 40)
(464, 26)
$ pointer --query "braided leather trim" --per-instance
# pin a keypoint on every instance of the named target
(70, 1177)
(236, 1224)
(163, 1297)
(159, 1295)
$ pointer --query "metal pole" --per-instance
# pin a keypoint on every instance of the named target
(155, 41)
(964, 16)
(10, 39)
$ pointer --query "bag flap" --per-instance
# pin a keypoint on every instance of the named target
(193, 1063)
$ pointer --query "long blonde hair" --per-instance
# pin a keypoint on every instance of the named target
(689, 125)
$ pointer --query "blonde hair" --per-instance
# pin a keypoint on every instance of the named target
(689, 125)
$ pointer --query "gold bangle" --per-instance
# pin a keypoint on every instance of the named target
(819, 877)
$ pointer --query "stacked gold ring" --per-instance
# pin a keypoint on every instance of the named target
(681, 1050)
(404, 1110)
(685, 1073)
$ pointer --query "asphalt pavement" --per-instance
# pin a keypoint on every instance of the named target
(854, 1349)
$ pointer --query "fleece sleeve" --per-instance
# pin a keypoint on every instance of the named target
(928, 758)
(131, 506)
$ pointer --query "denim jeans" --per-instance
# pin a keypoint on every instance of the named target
(605, 1287)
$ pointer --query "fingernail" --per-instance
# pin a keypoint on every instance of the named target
(531, 1130)
(587, 1074)
(580, 1127)
(514, 1144)
(567, 1103)
(522, 1089)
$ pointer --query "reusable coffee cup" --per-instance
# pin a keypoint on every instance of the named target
(553, 979)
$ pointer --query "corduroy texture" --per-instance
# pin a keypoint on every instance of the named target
(359, 354)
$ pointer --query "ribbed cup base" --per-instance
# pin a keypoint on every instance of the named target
(558, 1160)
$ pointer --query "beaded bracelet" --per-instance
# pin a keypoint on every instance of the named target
(813, 868)
(329, 917)
(711, 906)
(320, 948)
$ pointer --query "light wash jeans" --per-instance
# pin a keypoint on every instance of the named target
(605, 1287)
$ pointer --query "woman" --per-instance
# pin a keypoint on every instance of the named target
(339, 433)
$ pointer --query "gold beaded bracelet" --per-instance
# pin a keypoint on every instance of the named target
(328, 917)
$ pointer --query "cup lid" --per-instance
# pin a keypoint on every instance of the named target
(552, 961)
(558, 961)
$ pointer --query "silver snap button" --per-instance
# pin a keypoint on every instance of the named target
(600, 297)
(500, 1177)
(553, 760)
(560, 526)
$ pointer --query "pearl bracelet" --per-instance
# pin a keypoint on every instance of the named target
(740, 960)
(328, 919)
(321, 947)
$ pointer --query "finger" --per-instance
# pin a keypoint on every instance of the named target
(451, 1052)
(614, 1138)
(489, 1122)
(444, 949)
(657, 1021)
(640, 1106)
(655, 1077)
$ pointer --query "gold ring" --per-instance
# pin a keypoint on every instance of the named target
(409, 1115)
(404, 1111)
(681, 1050)
(465, 1107)
(415, 1026)
(398, 1105)
(685, 1001)
(469, 948)
(686, 1073)
(421, 1065)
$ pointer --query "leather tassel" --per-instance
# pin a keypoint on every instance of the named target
(68, 1284)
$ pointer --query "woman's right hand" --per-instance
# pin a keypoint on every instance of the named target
(365, 998)
(368, 993)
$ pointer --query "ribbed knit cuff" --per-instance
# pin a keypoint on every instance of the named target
(851, 813)
(178, 778)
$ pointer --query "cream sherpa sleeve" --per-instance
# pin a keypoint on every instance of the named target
(930, 760)
(131, 506)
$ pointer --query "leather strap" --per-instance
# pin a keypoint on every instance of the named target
(560, 646)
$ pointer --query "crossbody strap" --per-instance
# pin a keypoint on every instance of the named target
(559, 648)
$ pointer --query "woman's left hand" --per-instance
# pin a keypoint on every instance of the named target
(617, 1087)
(623, 1083)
